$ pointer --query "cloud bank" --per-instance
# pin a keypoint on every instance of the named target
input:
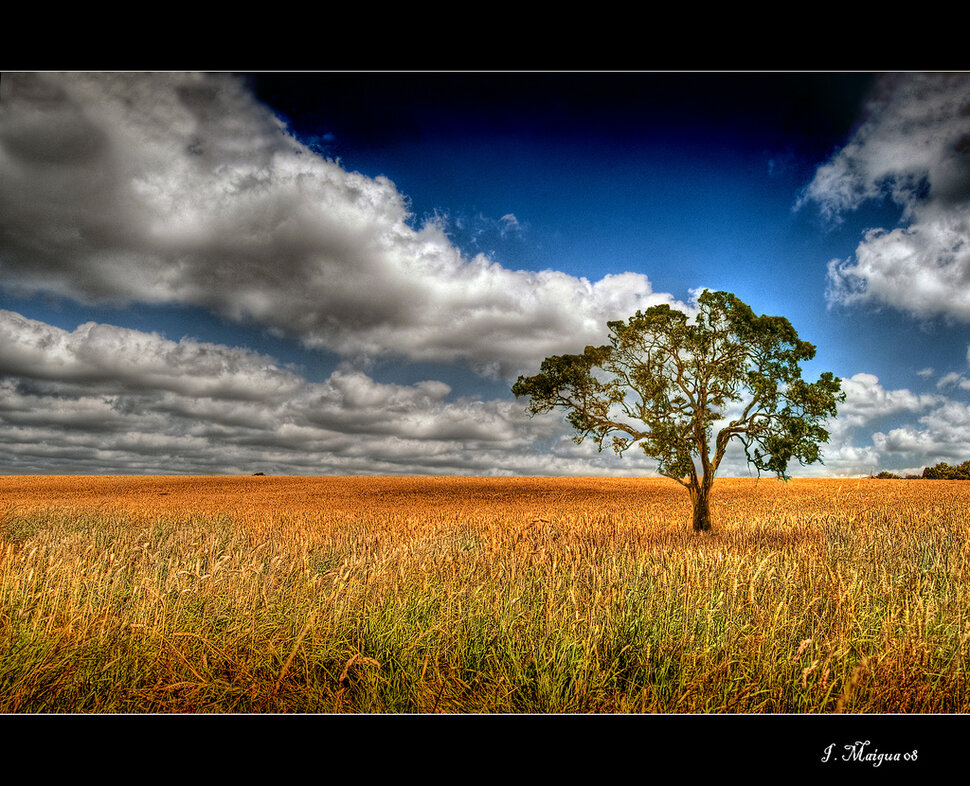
(102, 398)
(913, 148)
(182, 189)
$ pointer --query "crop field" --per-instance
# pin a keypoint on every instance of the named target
(473, 595)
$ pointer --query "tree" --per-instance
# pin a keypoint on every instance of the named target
(664, 381)
(943, 471)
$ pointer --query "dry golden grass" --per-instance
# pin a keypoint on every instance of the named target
(250, 594)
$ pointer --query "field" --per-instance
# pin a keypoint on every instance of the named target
(473, 595)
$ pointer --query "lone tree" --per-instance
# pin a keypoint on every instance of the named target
(663, 382)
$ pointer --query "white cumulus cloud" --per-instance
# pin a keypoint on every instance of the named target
(183, 189)
(914, 148)
(102, 398)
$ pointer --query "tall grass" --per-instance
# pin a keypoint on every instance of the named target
(472, 595)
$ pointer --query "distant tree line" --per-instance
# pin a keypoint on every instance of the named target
(941, 471)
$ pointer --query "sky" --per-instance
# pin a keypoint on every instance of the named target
(342, 273)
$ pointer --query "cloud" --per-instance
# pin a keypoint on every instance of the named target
(941, 432)
(922, 269)
(118, 358)
(102, 398)
(913, 147)
(182, 189)
(866, 400)
(953, 379)
(855, 449)
(925, 429)
(914, 143)
(509, 224)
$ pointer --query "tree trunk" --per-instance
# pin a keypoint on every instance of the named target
(700, 498)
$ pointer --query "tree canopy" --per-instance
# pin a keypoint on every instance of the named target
(943, 471)
(665, 380)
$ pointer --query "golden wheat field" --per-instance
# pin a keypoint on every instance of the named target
(481, 595)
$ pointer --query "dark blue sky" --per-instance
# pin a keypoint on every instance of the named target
(403, 244)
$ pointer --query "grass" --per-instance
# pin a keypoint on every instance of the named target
(530, 595)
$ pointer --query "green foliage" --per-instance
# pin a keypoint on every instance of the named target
(940, 471)
(944, 471)
(663, 382)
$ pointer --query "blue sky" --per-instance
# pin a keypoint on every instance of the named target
(342, 273)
